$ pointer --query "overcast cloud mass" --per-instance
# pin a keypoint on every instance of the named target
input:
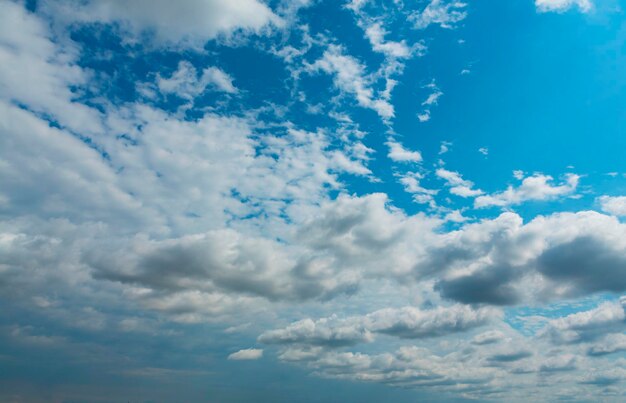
(312, 200)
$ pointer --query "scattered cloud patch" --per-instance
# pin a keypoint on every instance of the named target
(398, 153)
(350, 77)
(185, 82)
(560, 6)
(246, 354)
(444, 13)
(458, 186)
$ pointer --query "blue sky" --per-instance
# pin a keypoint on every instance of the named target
(312, 200)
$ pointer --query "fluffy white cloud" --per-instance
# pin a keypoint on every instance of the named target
(190, 23)
(37, 73)
(534, 187)
(326, 332)
(407, 322)
(613, 205)
(398, 153)
(411, 183)
(458, 185)
(563, 5)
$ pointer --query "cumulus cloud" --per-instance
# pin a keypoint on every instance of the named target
(398, 153)
(411, 183)
(504, 261)
(613, 205)
(406, 323)
(134, 220)
(189, 24)
(414, 323)
(458, 185)
(222, 260)
(246, 354)
(590, 325)
(534, 187)
(326, 332)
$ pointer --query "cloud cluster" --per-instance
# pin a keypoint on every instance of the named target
(190, 24)
(138, 218)
(406, 323)
(349, 76)
(534, 187)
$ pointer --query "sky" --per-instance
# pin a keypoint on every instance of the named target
(312, 201)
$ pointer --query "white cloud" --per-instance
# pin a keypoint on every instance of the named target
(433, 98)
(407, 322)
(440, 12)
(534, 187)
(34, 72)
(430, 101)
(560, 6)
(424, 116)
(185, 82)
(444, 147)
(246, 354)
(458, 185)
(376, 35)
(398, 153)
(132, 220)
(411, 183)
(613, 205)
(191, 23)
(350, 77)
(328, 332)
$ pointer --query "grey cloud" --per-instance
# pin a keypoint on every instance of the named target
(505, 262)
(489, 337)
(586, 264)
(221, 260)
(510, 357)
(611, 343)
(560, 363)
(488, 286)
(606, 377)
